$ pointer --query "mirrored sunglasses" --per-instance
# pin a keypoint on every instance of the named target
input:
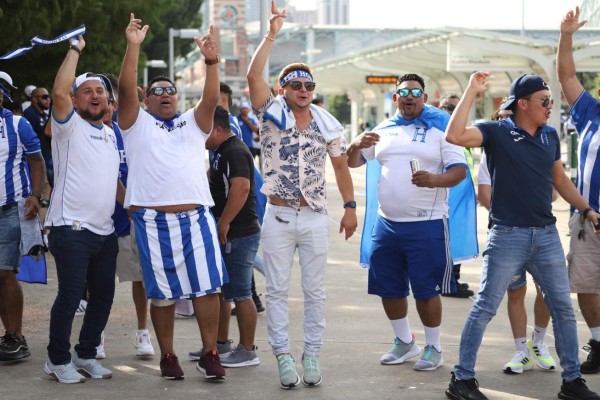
(158, 91)
(413, 92)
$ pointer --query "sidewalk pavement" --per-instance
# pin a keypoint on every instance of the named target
(357, 334)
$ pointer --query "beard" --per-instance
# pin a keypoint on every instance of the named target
(87, 115)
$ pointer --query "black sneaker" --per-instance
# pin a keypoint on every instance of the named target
(592, 364)
(460, 293)
(259, 305)
(467, 389)
(13, 348)
(463, 286)
(576, 390)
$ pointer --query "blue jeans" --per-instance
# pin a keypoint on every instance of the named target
(239, 255)
(10, 239)
(510, 251)
(81, 256)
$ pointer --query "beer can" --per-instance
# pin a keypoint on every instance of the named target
(414, 165)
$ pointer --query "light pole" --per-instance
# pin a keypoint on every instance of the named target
(152, 64)
(184, 34)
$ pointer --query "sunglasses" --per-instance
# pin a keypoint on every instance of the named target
(158, 91)
(297, 85)
(545, 102)
(44, 96)
(449, 107)
(413, 92)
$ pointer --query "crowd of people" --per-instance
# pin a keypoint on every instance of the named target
(198, 236)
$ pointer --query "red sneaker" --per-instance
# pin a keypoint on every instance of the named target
(170, 368)
(210, 366)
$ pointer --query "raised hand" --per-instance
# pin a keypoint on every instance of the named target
(134, 33)
(77, 42)
(366, 140)
(478, 81)
(570, 22)
(208, 45)
(276, 20)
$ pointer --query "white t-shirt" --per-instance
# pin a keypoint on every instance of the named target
(86, 170)
(399, 199)
(483, 176)
(166, 165)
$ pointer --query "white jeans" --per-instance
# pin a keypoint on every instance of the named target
(285, 229)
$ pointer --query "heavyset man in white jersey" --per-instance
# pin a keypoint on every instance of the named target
(169, 199)
(82, 238)
(584, 250)
(410, 236)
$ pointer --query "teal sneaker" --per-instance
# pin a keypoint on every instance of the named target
(400, 352)
(288, 377)
(431, 359)
(312, 370)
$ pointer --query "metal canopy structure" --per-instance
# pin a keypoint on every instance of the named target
(446, 57)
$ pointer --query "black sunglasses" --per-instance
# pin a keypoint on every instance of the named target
(449, 107)
(158, 91)
(297, 85)
(44, 96)
(545, 102)
(414, 92)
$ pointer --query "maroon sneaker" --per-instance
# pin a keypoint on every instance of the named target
(170, 368)
(209, 365)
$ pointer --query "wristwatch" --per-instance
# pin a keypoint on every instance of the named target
(350, 204)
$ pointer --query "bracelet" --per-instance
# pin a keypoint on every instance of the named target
(212, 62)
(585, 212)
(268, 38)
(73, 47)
(39, 196)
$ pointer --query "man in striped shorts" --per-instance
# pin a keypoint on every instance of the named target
(169, 199)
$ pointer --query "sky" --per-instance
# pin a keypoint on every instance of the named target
(487, 14)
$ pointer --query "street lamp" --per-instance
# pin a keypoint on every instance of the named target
(184, 34)
(152, 64)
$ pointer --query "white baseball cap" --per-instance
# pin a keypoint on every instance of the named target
(29, 89)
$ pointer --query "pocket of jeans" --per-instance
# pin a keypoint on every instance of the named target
(500, 229)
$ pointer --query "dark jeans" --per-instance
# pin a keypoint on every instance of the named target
(81, 256)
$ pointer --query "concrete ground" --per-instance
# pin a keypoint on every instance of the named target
(357, 334)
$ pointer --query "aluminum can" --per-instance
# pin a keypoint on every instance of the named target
(414, 165)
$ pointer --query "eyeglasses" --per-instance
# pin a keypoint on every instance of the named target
(158, 91)
(413, 92)
(297, 85)
(545, 102)
(449, 107)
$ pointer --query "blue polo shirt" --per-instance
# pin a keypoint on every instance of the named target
(521, 172)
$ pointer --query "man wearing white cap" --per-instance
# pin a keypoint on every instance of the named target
(82, 238)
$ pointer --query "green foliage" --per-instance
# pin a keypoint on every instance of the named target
(339, 107)
(105, 22)
(590, 81)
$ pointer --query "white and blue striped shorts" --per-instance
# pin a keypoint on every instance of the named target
(179, 253)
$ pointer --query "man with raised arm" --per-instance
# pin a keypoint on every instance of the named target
(584, 249)
(296, 137)
(169, 198)
(524, 161)
(82, 238)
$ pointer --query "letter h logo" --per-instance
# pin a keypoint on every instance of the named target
(420, 131)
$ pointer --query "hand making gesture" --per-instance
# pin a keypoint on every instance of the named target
(276, 20)
(208, 45)
(570, 23)
(134, 33)
(478, 82)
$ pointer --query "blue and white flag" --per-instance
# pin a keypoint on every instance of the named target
(41, 41)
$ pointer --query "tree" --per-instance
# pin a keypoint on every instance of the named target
(339, 107)
(105, 22)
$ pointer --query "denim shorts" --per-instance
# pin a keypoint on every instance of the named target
(10, 240)
(239, 254)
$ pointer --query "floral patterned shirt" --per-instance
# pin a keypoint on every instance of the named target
(294, 162)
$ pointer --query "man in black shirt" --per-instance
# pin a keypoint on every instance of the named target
(232, 187)
(37, 117)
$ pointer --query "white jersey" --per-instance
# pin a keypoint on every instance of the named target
(166, 164)
(483, 176)
(86, 170)
(399, 199)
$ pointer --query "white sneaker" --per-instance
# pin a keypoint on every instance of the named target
(100, 354)
(142, 343)
(90, 367)
(81, 309)
(519, 363)
(66, 373)
(541, 355)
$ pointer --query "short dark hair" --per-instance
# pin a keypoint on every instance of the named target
(159, 78)
(221, 119)
(226, 89)
(411, 77)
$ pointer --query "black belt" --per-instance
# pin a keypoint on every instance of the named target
(8, 206)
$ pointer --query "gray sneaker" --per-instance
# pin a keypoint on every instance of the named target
(312, 370)
(431, 359)
(222, 348)
(287, 371)
(240, 357)
(65, 373)
(91, 368)
(400, 352)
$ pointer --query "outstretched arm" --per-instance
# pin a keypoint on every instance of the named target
(565, 65)
(62, 105)
(259, 88)
(205, 109)
(457, 131)
(128, 99)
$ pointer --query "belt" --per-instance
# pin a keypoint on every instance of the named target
(8, 206)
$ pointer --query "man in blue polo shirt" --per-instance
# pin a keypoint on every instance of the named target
(584, 249)
(524, 162)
